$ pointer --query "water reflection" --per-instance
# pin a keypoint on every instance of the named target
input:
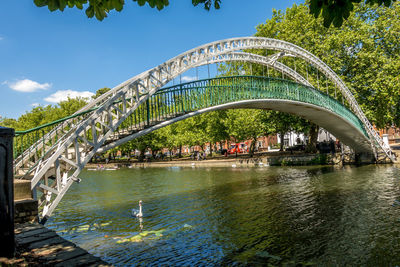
(229, 216)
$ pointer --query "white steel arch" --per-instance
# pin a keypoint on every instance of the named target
(67, 158)
(150, 81)
(270, 61)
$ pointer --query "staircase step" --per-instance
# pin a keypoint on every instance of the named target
(22, 189)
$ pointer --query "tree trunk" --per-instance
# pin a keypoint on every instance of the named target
(282, 134)
(313, 138)
(252, 147)
(141, 155)
(211, 149)
(180, 152)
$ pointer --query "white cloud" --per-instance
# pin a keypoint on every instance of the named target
(188, 78)
(35, 105)
(64, 94)
(27, 86)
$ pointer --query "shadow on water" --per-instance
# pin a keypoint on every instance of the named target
(242, 216)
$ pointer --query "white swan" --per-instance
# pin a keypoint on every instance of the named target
(138, 213)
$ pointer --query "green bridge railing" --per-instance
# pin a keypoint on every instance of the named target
(179, 99)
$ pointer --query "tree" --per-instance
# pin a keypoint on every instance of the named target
(100, 92)
(332, 11)
(142, 144)
(364, 52)
(100, 8)
(69, 107)
(216, 129)
(10, 123)
(336, 11)
(244, 124)
(284, 122)
(44, 114)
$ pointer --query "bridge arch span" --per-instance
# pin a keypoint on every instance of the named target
(341, 128)
(103, 116)
(149, 82)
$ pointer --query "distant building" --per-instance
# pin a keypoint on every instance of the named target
(392, 133)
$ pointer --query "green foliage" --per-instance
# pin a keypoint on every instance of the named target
(100, 92)
(244, 124)
(207, 3)
(10, 123)
(334, 12)
(44, 114)
(216, 127)
(101, 8)
(364, 52)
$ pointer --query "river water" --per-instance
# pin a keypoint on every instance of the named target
(236, 216)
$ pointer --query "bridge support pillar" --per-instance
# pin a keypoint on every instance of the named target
(7, 236)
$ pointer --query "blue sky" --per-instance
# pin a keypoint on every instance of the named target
(45, 55)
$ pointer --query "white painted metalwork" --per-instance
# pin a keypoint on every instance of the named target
(149, 81)
(71, 153)
(28, 157)
(270, 61)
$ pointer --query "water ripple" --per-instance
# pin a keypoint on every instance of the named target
(236, 217)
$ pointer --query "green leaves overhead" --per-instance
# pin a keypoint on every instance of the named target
(101, 8)
(207, 3)
(332, 11)
(60, 4)
(336, 11)
(160, 4)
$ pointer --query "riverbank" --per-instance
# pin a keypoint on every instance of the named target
(242, 160)
(271, 158)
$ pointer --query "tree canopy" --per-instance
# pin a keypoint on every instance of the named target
(364, 52)
(44, 114)
(100, 8)
(335, 11)
(332, 11)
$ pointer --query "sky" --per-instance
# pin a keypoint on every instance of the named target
(46, 56)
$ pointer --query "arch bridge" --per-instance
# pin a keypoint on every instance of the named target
(53, 155)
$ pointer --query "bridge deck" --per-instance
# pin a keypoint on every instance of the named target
(38, 245)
